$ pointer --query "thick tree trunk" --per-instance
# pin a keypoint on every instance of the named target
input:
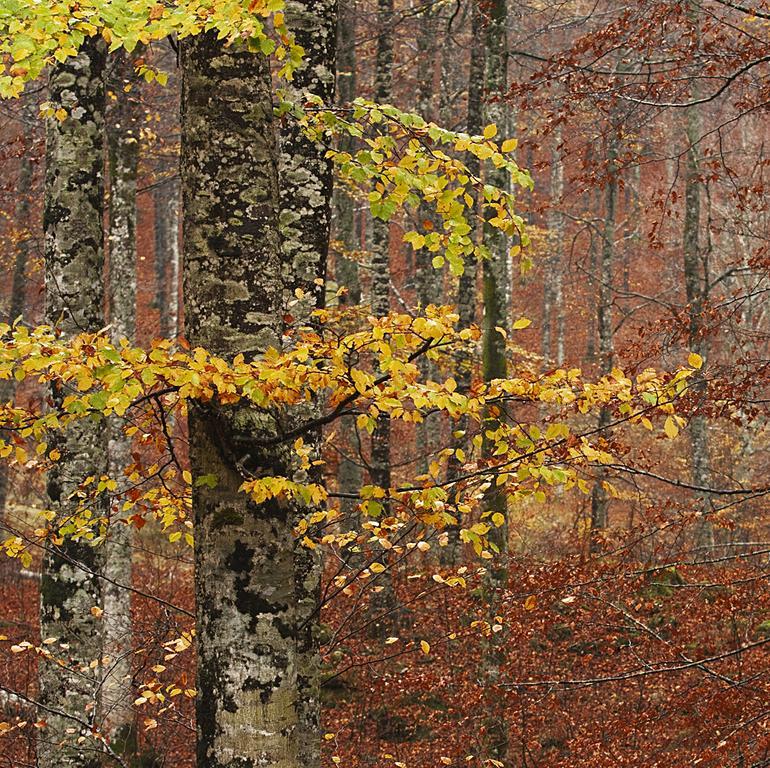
(123, 137)
(74, 257)
(305, 221)
(247, 706)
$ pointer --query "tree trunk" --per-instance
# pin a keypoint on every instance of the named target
(305, 221)
(599, 498)
(553, 299)
(349, 474)
(496, 281)
(696, 280)
(496, 276)
(123, 137)
(383, 602)
(247, 706)
(380, 458)
(74, 257)
(166, 204)
(466, 286)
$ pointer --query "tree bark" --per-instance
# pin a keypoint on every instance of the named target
(123, 139)
(380, 458)
(74, 257)
(305, 221)
(496, 273)
(696, 280)
(466, 286)
(247, 708)
(599, 498)
(166, 205)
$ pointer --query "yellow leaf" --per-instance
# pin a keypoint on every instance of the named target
(509, 145)
(522, 322)
(490, 131)
(671, 428)
(530, 603)
(695, 360)
(425, 645)
(376, 567)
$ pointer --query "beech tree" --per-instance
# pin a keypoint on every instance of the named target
(70, 589)
(524, 634)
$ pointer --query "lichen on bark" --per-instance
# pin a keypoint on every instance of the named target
(74, 256)
(233, 276)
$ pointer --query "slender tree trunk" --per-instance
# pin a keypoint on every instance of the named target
(599, 498)
(496, 282)
(349, 474)
(74, 257)
(166, 203)
(428, 281)
(305, 221)
(123, 137)
(383, 602)
(553, 299)
(696, 287)
(380, 458)
(496, 275)
(466, 287)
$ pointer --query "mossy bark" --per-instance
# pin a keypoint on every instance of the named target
(74, 257)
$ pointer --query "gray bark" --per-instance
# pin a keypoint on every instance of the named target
(349, 474)
(466, 286)
(247, 707)
(496, 282)
(166, 204)
(74, 256)
(123, 138)
(383, 603)
(305, 221)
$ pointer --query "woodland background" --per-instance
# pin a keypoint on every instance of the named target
(630, 627)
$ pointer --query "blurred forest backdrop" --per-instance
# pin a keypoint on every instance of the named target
(603, 605)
